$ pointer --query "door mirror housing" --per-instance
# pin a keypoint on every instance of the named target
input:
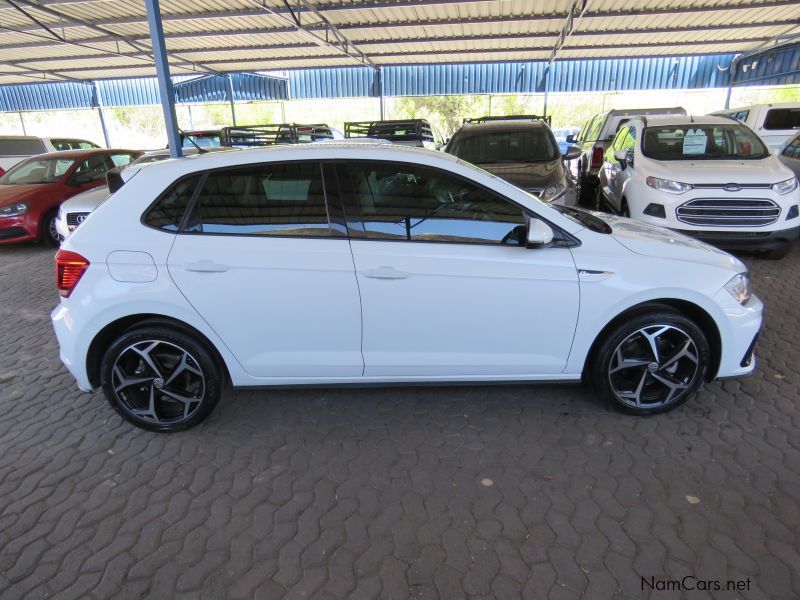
(572, 153)
(80, 179)
(624, 157)
(539, 233)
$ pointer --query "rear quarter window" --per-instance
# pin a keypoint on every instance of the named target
(167, 212)
(782, 118)
(21, 147)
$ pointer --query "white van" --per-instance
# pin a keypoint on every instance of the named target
(708, 177)
(774, 123)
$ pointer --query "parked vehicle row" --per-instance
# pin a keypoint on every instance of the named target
(374, 263)
(15, 148)
(32, 191)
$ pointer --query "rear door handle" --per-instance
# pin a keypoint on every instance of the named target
(386, 273)
(206, 266)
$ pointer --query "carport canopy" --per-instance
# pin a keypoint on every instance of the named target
(67, 40)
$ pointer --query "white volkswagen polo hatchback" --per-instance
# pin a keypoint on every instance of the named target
(352, 264)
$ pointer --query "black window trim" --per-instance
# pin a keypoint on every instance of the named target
(335, 216)
(569, 240)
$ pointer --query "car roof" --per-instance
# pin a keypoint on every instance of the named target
(687, 120)
(331, 149)
(17, 138)
(492, 126)
(84, 153)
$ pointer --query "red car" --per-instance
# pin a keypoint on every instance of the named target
(31, 191)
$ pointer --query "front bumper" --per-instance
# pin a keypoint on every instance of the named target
(746, 240)
(14, 230)
(738, 333)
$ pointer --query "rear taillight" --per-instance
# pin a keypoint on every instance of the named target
(2, 171)
(70, 267)
(597, 157)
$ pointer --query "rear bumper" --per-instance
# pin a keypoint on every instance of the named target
(746, 240)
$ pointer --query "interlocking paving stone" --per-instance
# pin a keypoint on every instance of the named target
(379, 493)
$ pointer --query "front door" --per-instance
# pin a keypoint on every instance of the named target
(261, 263)
(447, 285)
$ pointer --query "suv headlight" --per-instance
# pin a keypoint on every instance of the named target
(784, 187)
(739, 288)
(667, 185)
(551, 192)
(13, 210)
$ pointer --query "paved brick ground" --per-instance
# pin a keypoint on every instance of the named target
(381, 493)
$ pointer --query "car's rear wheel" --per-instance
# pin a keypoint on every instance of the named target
(161, 379)
(651, 363)
(49, 233)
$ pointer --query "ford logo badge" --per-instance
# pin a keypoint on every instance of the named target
(732, 187)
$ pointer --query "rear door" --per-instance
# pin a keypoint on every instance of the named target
(271, 273)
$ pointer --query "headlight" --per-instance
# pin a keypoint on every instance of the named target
(667, 185)
(739, 288)
(784, 187)
(13, 210)
(551, 192)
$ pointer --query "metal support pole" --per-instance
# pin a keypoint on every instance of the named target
(22, 122)
(229, 79)
(546, 80)
(731, 81)
(100, 114)
(379, 89)
(162, 73)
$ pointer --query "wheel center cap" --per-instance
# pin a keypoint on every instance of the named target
(158, 383)
(652, 367)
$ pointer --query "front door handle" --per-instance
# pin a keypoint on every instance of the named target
(386, 273)
(206, 266)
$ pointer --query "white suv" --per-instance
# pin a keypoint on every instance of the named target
(708, 177)
(353, 264)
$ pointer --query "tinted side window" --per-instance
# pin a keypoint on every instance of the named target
(593, 131)
(280, 199)
(120, 160)
(168, 210)
(782, 118)
(21, 147)
(413, 203)
(93, 168)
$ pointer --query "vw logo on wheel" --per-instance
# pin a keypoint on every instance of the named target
(732, 187)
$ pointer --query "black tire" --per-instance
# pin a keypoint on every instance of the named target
(645, 389)
(624, 210)
(176, 364)
(775, 254)
(48, 234)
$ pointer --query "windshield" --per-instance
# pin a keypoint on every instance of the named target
(202, 140)
(521, 146)
(33, 170)
(694, 141)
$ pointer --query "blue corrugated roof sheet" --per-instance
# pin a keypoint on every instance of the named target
(773, 67)
(420, 80)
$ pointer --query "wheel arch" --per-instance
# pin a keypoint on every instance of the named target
(106, 336)
(686, 308)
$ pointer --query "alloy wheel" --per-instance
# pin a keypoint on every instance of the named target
(158, 382)
(653, 366)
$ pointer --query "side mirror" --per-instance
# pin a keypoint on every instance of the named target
(571, 139)
(539, 233)
(80, 179)
(572, 153)
(624, 157)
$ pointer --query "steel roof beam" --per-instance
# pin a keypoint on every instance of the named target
(766, 4)
(403, 42)
(92, 25)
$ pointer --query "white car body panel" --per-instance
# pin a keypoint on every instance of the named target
(465, 312)
(82, 204)
(755, 118)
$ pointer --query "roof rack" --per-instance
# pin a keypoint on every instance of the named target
(398, 130)
(545, 118)
(271, 135)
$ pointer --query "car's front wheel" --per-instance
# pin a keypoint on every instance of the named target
(651, 362)
(49, 233)
(160, 379)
